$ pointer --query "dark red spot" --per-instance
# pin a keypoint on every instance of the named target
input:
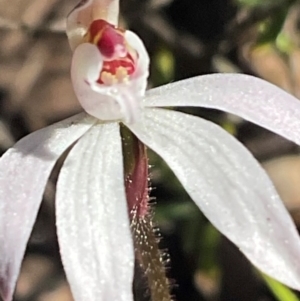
(109, 41)
(107, 37)
(98, 26)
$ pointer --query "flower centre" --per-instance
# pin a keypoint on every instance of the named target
(119, 57)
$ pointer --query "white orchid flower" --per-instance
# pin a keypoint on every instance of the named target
(109, 74)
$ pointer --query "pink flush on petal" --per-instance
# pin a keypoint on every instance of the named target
(120, 58)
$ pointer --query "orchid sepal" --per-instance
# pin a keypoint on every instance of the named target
(249, 97)
(92, 224)
(261, 230)
(24, 171)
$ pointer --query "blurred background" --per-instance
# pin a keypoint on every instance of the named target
(184, 38)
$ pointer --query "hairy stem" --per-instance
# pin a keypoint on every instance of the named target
(150, 257)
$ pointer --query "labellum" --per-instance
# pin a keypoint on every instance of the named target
(120, 57)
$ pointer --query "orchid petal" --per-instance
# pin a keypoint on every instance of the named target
(229, 186)
(92, 218)
(24, 171)
(249, 97)
(87, 11)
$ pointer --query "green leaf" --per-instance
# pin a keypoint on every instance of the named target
(271, 28)
(163, 66)
(280, 291)
(284, 43)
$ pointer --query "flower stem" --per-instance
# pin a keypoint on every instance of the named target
(145, 237)
(150, 257)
